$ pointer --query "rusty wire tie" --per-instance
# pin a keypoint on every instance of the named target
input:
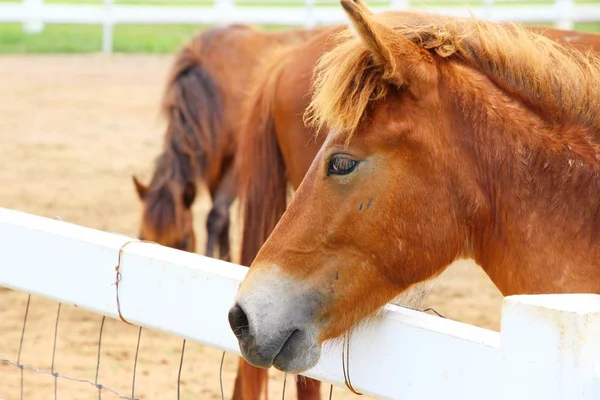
(119, 276)
(346, 350)
(346, 364)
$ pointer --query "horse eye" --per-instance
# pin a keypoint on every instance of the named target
(341, 165)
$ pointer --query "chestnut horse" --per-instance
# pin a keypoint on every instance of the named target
(202, 106)
(275, 146)
(449, 138)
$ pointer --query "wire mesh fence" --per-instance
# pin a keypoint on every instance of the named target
(127, 386)
(56, 351)
(30, 339)
(50, 350)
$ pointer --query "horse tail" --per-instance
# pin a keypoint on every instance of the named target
(259, 161)
(193, 107)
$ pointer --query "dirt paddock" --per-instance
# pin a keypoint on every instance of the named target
(74, 129)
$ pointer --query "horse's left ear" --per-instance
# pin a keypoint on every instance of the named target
(189, 194)
(403, 61)
(140, 188)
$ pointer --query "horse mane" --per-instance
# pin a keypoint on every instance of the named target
(259, 164)
(557, 81)
(192, 106)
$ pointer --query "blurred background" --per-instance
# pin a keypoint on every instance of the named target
(160, 26)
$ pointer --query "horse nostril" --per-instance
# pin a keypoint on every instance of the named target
(238, 321)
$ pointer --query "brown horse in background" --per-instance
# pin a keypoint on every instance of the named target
(450, 138)
(201, 103)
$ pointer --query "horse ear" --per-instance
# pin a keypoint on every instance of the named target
(140, 187)
(403, 62)
(189, 194)
(369, 31)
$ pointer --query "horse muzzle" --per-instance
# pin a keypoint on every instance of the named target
(273, 323)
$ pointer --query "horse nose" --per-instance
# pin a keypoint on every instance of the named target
(238, 321)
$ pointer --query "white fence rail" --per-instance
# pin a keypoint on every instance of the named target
(34, 13)
(549, 346)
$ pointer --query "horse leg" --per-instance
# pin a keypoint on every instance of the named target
(250, 382)
(227, 194)
(211, 235)
(217, 222)
(224, 251)
(210, 242)
(307, 388)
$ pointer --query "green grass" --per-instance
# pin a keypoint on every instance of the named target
(54, 39)
(63, 38)
(58, 38)
(593, 27)
(152, 38)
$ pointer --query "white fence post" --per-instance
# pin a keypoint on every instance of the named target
(310, 14)
(564, 14)
(488, 8)
(225, 10)
(33, 22)
(552, 346)
(108, 28)
(400, 5)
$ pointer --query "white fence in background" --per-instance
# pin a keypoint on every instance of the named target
(548, 348)
(34, 13)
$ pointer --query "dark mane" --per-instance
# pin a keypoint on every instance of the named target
(193, 106)
(558, 81)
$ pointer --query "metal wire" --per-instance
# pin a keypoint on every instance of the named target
(52, 372)
(98, 362)
(119, 277)
(346, 351)
(346, 364)
(221, 376)
(180, 368)
(284, 382)
(426, 310)
(21, 342)
(95, 383)
(54, 352)
(41, 371)
(137, 350)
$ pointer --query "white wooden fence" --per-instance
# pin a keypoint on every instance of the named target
(34, 13)
(548, 348)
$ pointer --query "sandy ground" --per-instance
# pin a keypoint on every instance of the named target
(73, 129)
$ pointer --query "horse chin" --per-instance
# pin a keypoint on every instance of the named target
(299, 353)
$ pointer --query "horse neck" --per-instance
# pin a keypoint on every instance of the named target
(538, 230)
